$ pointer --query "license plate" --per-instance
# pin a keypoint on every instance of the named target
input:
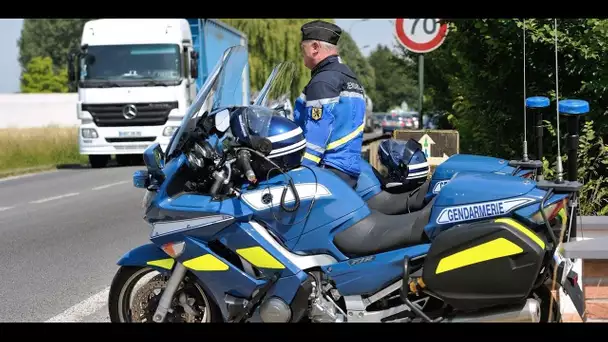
(129, 134)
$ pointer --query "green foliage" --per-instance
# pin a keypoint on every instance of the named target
(477, 75)
(272, 41)
(351, 55)
(53, 38)
(39, 77)
(592, 169)
(395, 80)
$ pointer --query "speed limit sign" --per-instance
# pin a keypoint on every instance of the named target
(420, 35)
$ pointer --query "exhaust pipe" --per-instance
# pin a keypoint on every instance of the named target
(526, 313)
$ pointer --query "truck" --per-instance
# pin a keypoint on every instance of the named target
(137, 77)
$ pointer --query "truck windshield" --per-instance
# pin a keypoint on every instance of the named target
(120, 64)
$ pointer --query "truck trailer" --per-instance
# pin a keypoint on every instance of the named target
(137, 77)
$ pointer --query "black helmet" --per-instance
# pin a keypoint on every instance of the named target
(405, 162)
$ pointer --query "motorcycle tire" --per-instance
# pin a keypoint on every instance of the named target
(121, 292)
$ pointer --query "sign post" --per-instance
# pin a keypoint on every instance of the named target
(437, 145)
(420, 36)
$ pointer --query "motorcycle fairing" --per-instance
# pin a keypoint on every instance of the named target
(369, 274)
(329, 209)
(148, 255)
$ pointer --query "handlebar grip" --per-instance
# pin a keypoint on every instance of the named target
(243, 158)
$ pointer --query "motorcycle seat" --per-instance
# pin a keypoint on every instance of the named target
(391, 202)
(378, 232)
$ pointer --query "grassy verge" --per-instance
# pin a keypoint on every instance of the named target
(26, 150)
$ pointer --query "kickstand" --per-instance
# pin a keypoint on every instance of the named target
(405, 291)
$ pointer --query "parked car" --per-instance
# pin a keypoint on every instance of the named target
(391, 122)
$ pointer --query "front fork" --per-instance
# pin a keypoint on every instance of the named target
(179, 271)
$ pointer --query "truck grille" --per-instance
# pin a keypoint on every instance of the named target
(147, 114)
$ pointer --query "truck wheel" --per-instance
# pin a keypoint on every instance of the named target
(98, 161)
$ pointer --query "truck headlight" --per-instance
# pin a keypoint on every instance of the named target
(89, 133)
(168, 131)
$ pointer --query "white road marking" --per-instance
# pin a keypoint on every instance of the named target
(83, 309)
(5, 208)
(54, 198)
(109, 185)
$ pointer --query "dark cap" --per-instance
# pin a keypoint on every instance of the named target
(321, 30)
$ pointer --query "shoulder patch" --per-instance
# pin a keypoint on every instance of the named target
(317, 113)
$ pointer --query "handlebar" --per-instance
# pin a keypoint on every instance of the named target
(243, 158)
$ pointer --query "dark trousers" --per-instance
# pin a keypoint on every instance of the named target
(350, 180)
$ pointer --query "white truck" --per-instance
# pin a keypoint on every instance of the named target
(137, 77)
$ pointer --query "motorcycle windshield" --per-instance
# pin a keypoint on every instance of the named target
(277, 89)
(275, 94)
(224, 87)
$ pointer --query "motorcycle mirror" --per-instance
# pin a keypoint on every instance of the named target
(222, 120)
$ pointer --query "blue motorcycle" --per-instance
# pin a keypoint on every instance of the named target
(241, 231)
(407, 187)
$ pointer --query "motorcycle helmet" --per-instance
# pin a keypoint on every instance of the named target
(405, 162)
(267, 131)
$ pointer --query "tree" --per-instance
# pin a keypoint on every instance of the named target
(394, 80)
(39, 77)
(351, 55)
(52, 38)
(477, 76)
(272, 41)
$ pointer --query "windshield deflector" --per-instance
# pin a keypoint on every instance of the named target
(277, 89)
(224, 87)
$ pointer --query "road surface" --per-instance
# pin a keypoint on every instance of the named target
(62, 233)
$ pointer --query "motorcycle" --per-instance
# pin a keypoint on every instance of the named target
(232, 244)
(391, 197)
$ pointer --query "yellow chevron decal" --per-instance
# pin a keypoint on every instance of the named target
(494, 249)
(162, 263)
(259, 257)
(206, 262)
(523, 229)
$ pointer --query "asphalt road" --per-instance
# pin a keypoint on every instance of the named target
(62, 233)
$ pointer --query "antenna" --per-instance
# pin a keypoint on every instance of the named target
(533, 102)
(572, 109)
(525, 156)
(560, 170)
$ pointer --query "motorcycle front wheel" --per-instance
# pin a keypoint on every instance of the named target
(136, 291)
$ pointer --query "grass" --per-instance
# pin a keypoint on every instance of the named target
(25, 150)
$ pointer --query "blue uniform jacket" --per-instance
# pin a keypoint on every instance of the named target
(331, 112)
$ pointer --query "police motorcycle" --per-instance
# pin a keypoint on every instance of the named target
(407, 187)
(241, 231)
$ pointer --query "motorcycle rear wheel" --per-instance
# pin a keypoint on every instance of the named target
(191, 293)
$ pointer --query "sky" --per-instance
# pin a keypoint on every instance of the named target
(366, 33)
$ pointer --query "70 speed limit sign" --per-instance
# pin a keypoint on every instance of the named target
(420, 35)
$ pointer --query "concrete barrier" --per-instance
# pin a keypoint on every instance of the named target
(38, 110)
(591, 254)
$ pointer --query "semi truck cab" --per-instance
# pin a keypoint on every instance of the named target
(135, 79)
